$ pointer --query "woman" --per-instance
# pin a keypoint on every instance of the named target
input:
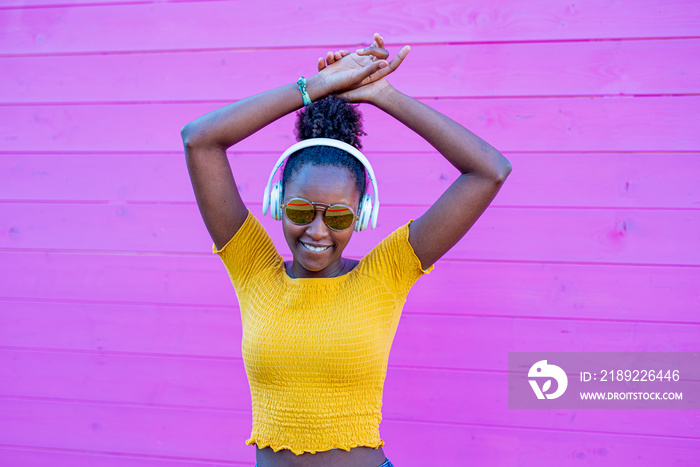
(317, 330)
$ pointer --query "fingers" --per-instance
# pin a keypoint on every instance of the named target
(379, 40)
(373, 68)
(375, 51)
(395, 62)
(331, 57)
(400, 56)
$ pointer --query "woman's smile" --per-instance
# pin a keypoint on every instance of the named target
(314, 248)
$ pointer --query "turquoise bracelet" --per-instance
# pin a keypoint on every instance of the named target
(301, 82)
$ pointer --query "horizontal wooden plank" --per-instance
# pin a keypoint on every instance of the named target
(153, 329)
(560, 290)
(105, 177)
(205, 25)
(514, 69)
(164, 432)
(149, 380)
(567, 235)
(429, 339)
(637, 293)
(218, 436)
(434, 395)
(511, 124)
(657, 180)
(630, 180)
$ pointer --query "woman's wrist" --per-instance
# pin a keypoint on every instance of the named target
(384, 95)
(317, 87)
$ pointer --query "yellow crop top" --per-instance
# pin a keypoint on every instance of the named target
(316, 350)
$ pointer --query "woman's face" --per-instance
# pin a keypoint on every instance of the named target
(322, 184)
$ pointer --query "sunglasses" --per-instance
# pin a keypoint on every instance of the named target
(302, 212)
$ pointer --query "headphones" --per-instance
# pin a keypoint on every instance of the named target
(368, 209)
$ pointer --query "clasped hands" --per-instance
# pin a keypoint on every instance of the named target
(359, 76)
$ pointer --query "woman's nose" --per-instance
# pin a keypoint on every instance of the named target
(317, 228)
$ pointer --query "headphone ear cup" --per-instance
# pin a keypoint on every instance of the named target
(276, 201)
(365, 214)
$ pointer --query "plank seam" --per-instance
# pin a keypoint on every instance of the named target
(233, 152)
(119, 353)
(282, 47)
(122, 455)
(129, 202)
(522, 427)
(114, 353)
(98, 4)
(68, 400)
(220, 102)
(194, 254)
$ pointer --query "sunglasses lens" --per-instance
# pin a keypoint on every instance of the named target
(339, 217)
(300, 211)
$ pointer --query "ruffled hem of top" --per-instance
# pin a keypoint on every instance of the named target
(299, 451)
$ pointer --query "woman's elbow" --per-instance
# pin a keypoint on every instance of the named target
(505, 169)
(194, 137)
(500, 169)
(187, 133)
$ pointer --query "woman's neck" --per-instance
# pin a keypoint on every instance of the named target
(338, 268)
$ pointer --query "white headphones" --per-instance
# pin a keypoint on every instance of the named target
(368, 209)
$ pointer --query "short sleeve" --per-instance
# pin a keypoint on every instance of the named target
(394, 262)
(250, 251)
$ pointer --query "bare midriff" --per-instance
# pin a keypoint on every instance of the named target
(355, 457)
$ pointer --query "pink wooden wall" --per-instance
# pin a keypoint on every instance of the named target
(119, 331)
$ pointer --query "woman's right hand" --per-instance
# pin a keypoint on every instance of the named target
(359, 76)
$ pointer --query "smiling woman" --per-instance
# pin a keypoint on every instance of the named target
(317, 330)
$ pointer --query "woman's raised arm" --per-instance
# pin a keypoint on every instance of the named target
(482, 172)
(207, 138)
(483, 169)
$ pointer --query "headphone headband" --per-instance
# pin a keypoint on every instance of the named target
(352, 150)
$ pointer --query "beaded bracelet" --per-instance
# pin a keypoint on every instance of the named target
(301, 82)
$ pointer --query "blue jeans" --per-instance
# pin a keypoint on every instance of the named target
(387, 463)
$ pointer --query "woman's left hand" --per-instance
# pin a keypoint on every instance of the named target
(373, 85)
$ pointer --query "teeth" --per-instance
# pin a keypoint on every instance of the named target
(313, 248)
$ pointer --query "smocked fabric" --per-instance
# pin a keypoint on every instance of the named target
(316, 350)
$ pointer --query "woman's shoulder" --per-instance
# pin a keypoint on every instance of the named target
(251, 231)
(249, 251)
(393, 261)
